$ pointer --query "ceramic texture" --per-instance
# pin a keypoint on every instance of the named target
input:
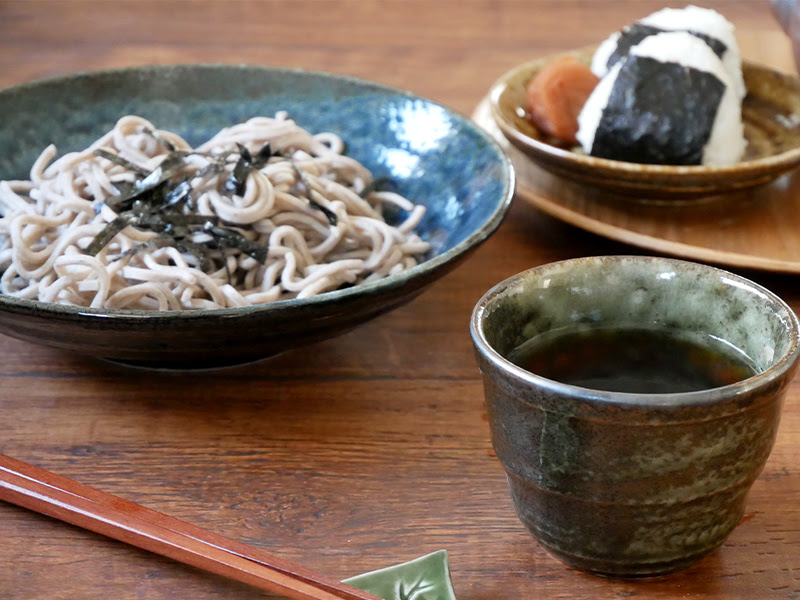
(770, 112)
(437, 157)
(753, 229)
(424, 578)
(629, 484)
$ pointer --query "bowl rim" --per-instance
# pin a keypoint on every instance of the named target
(652, 401)
(511, 132)
(488, 227)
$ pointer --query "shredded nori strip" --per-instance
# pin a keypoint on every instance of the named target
(157, 200)
(152, 187)
(237, 180)
(262, 156)
(306, 188)
(230, 238)
(216, 166)
(179, 194)
(247, 163)
(107, 234)
(160, 139)
(167, 168)
(200, 252)
(122, 162)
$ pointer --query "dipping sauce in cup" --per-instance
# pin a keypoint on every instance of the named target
(632, 401)
(639, 360)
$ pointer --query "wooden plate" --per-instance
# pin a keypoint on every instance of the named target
(754, 229)
(771, 127)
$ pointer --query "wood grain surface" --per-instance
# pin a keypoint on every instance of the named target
(372, 448)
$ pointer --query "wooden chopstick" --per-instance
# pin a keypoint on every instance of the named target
(87, 507)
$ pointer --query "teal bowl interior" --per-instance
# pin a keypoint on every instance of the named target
(436, 157)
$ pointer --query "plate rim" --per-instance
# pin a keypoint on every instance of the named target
(783, 160)
(566, 214)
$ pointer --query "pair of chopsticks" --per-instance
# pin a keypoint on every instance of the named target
(67, 500)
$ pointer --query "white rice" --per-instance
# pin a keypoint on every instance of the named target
(710, 23)
(726, 143)
(603, 53)
(592, 111)
(700, 20)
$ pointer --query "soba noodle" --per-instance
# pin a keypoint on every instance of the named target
(303, 223)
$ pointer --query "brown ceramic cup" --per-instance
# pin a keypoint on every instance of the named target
(624, 484)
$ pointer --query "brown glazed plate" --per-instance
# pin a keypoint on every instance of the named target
(770, 111)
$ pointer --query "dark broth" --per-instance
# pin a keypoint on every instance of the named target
(644, 361)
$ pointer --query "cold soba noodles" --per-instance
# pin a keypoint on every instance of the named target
(263, 211)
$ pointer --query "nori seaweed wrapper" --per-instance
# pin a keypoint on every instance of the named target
(633, 34)
(658, 113)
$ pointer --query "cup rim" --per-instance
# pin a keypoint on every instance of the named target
(711, 396)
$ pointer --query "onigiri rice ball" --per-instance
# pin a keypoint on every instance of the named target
(670, 100)
(704, 23)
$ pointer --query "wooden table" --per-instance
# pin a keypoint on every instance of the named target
(365, 450)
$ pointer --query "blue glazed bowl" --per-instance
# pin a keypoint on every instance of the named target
(437, 157)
